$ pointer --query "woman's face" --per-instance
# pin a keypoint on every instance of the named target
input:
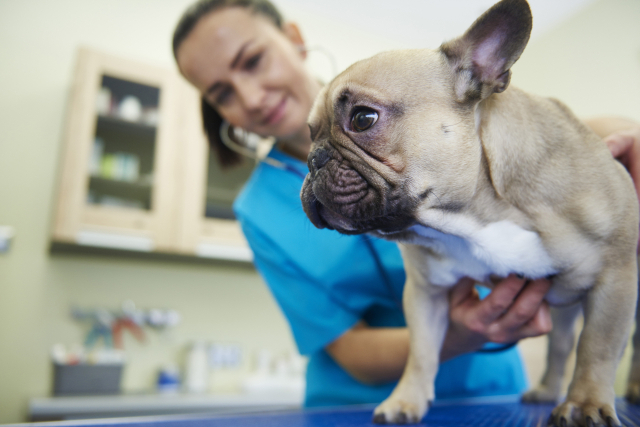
(250, 71)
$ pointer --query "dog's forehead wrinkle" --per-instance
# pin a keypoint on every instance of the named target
(358, 156)
(343, 97)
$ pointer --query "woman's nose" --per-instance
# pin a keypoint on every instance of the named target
(251, 95)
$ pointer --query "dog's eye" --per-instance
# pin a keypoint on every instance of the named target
(363, 119)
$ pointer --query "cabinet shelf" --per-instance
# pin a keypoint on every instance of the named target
(120, 184)
(134, 129)
(125, 190)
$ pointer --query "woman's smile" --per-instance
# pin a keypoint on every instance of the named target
(276, 114)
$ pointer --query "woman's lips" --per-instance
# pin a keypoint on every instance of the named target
(277, 113)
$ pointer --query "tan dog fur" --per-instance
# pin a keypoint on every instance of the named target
(475, 178)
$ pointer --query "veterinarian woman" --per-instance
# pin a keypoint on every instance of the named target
(341, 295)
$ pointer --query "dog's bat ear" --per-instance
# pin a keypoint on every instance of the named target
(481, 59)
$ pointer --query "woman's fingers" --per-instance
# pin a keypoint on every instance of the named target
(514, 309)
(501, 298)
(462, 291)
(618, 143)
(541, 323)
(525, 316)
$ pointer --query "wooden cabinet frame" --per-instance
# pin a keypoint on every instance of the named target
(175, 223)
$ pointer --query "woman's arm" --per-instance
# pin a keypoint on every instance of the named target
(606, 126)
(622, 137)
(512, 311)
(371, 355)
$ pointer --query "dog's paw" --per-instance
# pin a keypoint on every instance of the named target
(587, 414)
(399, 411)
(541, 394)
(633, 393)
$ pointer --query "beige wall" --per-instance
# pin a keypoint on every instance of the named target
(591, 62)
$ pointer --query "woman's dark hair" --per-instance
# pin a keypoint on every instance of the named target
(210, 118)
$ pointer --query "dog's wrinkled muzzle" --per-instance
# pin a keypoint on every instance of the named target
(337, 196)
(311, 205)
(320, 215)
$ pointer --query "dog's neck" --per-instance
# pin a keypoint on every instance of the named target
(508, 156)
(513, 156)
(488, 203)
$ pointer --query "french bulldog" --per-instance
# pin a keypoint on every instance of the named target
(476, 178)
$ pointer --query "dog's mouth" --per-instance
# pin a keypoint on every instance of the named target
(365, 215)
(323, 217)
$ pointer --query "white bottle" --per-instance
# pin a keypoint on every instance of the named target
(197, 368)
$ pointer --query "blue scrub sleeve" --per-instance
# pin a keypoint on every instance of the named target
(316, 318)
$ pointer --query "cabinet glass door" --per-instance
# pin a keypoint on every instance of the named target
(121, 167)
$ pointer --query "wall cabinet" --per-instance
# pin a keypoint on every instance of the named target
(136, 171)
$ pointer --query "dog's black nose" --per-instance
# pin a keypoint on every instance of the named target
(317, 159)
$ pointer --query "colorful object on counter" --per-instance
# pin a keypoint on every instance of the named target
(109, 325)
(125, 323)
(131, 319)
(78, 354)
(197, 368)
(168, 379)
(102, 325)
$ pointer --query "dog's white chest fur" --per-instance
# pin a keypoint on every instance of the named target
(467, 249)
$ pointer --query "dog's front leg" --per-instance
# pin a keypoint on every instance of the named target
(426, 310)
(608, 315)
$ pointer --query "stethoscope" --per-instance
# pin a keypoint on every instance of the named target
(254, 147)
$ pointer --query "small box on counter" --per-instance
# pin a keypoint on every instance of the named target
(77, 372)
(86, 379)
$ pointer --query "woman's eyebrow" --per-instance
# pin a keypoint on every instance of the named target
(235, 61)
(233, 65)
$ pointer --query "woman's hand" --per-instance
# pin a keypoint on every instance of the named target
(625, 147)
(622, 137)
(515, 309)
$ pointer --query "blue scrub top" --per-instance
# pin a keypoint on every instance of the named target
(325, 282)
